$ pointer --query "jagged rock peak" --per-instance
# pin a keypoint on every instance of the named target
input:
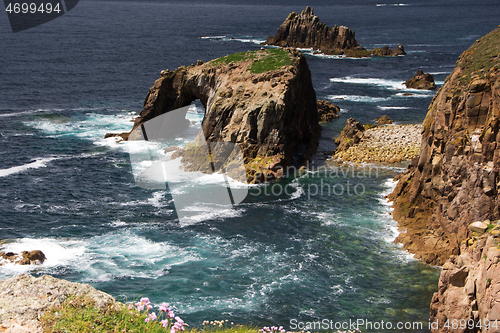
(455, 179)
(305, 30)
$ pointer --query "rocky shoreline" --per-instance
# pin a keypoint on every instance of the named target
(24, 298)
(378, 144)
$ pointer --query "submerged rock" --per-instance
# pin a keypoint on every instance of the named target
(305, 30)
(421, 80)
(455, 179)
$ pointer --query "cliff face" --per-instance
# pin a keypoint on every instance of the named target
(469, 288)
(263, 101)
(454, 181)
(305, 30)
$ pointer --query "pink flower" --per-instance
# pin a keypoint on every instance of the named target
(164, 307)
(170, 314)
(147, 320)
(139, 306)
(164, 323)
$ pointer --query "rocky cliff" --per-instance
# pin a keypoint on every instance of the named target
(454, 180)
(305, 30)
(263, 101)
(468, 299)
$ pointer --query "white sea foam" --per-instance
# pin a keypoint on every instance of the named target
(389, 84)
(357, 98)
(38, 163)
(393, 107)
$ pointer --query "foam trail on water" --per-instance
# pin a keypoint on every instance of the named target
(38, 163)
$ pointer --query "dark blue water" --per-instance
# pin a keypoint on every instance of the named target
(67, 191)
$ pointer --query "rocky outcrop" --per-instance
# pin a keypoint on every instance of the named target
(455, 179)
(421, 80)
(24, 298)
(388, 52)
(35, 257)
(384, 120)
(377, 144)
(469, 286)
(305, 30)
(327, 111)
(263, 101)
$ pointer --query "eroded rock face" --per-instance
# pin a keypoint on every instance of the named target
(327, 111)
(421, 80)
(384, 120)
(305, 30)
(469, 288)
(454, 181)
(263, 101)
(351, 135)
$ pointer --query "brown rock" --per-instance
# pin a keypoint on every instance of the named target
(384, 120)
(35, 257)
(455, 180)
(327, 111)
(421, 80)
(269, 114)
(305, 30)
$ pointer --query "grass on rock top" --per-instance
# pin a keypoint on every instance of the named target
(262, 60)
(481, 56)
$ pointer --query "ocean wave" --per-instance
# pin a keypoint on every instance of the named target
(393, 107)
(38, 163)
(244, 39)
(378, 82)
(358, 98)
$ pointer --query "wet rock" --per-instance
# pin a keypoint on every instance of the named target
(35, 257)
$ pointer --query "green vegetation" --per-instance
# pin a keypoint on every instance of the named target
(263, 60)
(275, 58)
(368, 126)
(482, 55)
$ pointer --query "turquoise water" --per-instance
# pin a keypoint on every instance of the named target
(302, 255)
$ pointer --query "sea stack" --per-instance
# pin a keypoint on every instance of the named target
(263, 100)
(305, 30)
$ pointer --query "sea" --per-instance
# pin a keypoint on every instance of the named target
(277, 258)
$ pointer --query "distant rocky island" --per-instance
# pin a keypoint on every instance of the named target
(305, 30)
(421, 80)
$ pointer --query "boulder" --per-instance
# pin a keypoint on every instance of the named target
(421, 80)
(35, 257)
(478, 227)
(327, 111)
(384, 120)
(351, 135)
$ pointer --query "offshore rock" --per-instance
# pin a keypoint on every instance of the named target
(327, 111)
(264, 101)
(455, 179)
(469, 287)
(384, 120)
(421, 80)
(305, 30)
